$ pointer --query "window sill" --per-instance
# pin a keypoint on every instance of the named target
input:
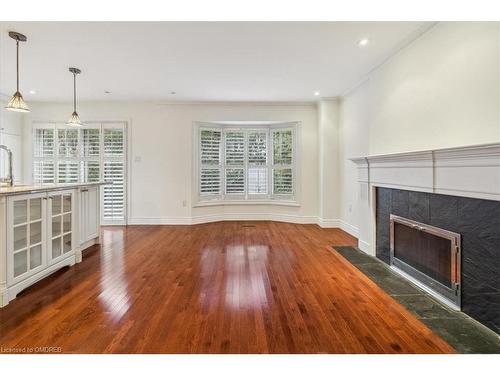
(246, 202)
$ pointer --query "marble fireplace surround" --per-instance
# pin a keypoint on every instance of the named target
(421, 184)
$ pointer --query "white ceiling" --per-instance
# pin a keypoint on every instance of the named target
(200, 61)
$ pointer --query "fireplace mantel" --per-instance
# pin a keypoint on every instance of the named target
(469, 171)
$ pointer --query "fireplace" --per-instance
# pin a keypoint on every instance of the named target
(428, 256)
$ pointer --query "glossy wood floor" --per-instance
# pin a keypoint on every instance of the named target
(229, 287)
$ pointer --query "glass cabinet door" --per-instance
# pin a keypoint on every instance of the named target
(26, 227)
(61, 224)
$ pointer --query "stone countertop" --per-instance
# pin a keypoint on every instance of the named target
(24, 189)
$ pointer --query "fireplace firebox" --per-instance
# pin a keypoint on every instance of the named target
(428, 256)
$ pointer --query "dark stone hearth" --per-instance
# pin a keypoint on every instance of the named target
(478, 222)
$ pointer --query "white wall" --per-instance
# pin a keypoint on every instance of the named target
(440, 91)
(11, 135)
(161, 135)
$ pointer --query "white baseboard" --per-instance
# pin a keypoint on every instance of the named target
(329, 223)
(364, 246)
(159, 221)
(349, 228)
(297, 219)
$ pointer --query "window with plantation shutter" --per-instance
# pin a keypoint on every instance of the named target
(91, 153)
(210, 163)
(246, 163)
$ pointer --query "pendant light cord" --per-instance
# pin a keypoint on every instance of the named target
(17, 64)
(74, 92)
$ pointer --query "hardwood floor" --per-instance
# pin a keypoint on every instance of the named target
(228, 287)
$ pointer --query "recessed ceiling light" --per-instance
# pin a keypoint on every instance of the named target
(172, 93)
(316, 93)
(363, 42)
(32, 92)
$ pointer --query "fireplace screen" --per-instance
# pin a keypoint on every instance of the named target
(428, 256)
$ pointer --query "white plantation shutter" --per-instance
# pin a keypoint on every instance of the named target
(210, 181)
(234, 148)
(235, 181)
(113, 142)
(44, 142)
(210, 162)
(90, 171)
(282, 181)
(67, 141)
(113, 197)
(67, 172)
(91, 142)
(210, 147)
(43, 154)
(43, 172)
(282, 162)
(234, 157)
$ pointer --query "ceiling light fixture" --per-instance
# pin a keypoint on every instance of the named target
(17, 102)
(363, 42)
(316, 93)
(74, 120)
(32, 92)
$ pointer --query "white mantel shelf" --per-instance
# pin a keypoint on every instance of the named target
(469, 171)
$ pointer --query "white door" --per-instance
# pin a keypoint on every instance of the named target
(26, 230)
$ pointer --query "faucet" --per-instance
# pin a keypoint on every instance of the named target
(10, 178)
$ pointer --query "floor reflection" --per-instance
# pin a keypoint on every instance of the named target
(245, 272)
(114, 296)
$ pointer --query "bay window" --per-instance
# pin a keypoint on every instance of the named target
(244, 163)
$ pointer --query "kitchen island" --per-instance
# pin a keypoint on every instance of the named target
(42, 229)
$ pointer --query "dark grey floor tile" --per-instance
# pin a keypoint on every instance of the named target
(425, 307)
(388, 280)
(465, 335)
(354, 255)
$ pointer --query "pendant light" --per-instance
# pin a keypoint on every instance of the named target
(74, 120)
(17, 102)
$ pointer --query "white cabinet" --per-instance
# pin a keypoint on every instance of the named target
(40, 230)
(27, 226)
(89, 214)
